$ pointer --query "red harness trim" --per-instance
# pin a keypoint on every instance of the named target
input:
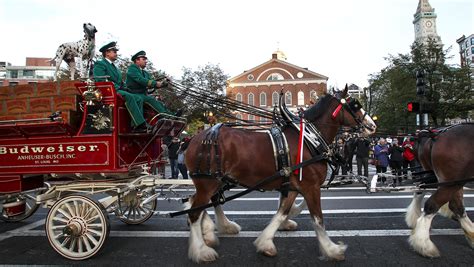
(336, 111)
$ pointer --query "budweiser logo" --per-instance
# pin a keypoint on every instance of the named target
(59, 148)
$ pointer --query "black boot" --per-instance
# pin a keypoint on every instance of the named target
(179, 113)
(142, 128)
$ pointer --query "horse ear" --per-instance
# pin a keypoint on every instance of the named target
(344, 93)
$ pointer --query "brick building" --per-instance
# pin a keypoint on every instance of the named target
(36, 70)
(261, 85)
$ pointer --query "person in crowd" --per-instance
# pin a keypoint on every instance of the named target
(381, 156)
(349, 151)
(408, 154)
(173, 149)
(181, 157)
(362, 148)
(396, 159)
(138, 82)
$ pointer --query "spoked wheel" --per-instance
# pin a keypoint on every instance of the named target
(18, 208)
(129, 210)
(77, 227)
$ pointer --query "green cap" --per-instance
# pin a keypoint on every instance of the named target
(138, 55)
(109, 46)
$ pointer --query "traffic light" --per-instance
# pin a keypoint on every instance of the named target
(420, 82)
(413, 107)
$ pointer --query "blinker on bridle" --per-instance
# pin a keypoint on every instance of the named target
(353, 105)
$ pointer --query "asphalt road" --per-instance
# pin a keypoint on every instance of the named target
(371, 224)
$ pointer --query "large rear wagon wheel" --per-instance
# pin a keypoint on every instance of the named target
(77, 227)
(129, 210)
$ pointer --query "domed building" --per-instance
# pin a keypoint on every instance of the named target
(261, 85)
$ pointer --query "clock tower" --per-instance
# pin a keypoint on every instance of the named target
(425, 23)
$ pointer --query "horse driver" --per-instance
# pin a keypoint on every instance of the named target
(140, 81)
(106, 67)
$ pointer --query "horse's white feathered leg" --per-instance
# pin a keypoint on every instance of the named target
(414, 210)
(328, 249)
(420, 237)
(198, 251)
(208, 234)
(224, 225)
(468, 228)
(264, 242)
(445, 211)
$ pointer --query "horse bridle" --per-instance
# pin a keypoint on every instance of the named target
(352, 106)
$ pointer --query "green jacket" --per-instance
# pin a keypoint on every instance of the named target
(138, 80)
(104, 68)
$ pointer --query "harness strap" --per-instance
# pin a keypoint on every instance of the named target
(281, 173)
(459, 182)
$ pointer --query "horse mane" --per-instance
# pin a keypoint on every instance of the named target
(318, 109)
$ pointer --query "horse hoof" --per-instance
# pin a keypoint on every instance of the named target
(204, 255)
(270, 253)
(230, 228)
(288, 225)
(266, 247)
(425, 248)
(211, 240)
(334, 252)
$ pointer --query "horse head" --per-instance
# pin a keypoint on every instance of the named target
(346, 111)
(89, 30)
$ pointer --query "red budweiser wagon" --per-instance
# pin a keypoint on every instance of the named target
(61, 159)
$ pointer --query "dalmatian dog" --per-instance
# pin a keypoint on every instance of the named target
(83, 49)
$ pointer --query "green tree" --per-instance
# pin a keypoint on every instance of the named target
(448, 88)
(208, 82)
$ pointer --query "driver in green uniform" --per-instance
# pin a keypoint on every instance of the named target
(139, 81)
(106, 67)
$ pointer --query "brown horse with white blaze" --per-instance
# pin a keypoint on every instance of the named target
(247, 157)
(449, 154)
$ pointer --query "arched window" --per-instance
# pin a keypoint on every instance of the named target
(275, 97)
(238, 116)
(250, 99)
(238, 97)
(275, 77)
(263, 99)
(288, 98)
(300, 98)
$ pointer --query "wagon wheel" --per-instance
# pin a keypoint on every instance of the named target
(129, 210)
(77, 227)
(30, 206)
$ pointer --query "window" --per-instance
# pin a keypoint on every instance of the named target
(13, 83)
(238, 97)
(263, 99)
(14, 74)
(275, 77)
(28, 73)
(472, 50)
(288, 98)
(251, 118)
(472, 41)
(250, 99)
(250, 77)
(44, 74)
(239, 116)
(275, 96)
(300, 98)
(262, 119)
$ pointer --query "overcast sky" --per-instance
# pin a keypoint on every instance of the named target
(345, 40)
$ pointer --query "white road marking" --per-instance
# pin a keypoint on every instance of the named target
(253, 234)
(324, 198)
(24, 229)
